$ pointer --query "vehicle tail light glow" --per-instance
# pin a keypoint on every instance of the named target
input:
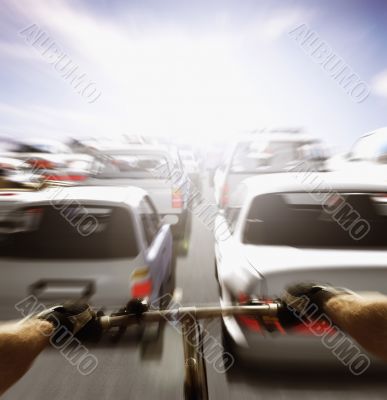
(177, 198)
(310, 329)
(141, 283)
(41, 163)
(77, 178)
(270, 324)
(224, 198)
(142, 289)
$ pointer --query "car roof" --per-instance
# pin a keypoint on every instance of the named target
(309, 181)
(376, 132)
(277, 137)
(129, 195)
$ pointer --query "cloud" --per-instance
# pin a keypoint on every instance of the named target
(157, 76)
(278, 25)
(46, 121)
(379, 84)
(18, 51)
(272, 26)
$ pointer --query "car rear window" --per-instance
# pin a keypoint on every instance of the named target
(266, 156)
(296, 219)
(73, 232)
(136, 165)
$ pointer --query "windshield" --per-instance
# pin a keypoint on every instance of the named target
(369, 147)
(266, 156)
(136, 165)
(295, 219)
(60, 234)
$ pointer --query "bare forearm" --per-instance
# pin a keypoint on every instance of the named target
(20, 343)
(363, 318)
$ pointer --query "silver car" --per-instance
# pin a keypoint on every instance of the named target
(104, 246)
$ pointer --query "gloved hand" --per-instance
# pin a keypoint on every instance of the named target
(134, 307)
(299, 298)
(137, 306)
(78, 319)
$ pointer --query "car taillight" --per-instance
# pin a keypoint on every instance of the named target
(322, 327)
(141, 283)
(78, 178)
(41, 163)
(224, 197)
(141, 290)
(266, 323)
(177, 198)
(52, 177)
(75, 178)
(272, 324)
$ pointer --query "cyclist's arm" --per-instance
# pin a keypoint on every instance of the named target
(365, 319)
(20, 343)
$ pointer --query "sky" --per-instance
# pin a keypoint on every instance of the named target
(199, 71)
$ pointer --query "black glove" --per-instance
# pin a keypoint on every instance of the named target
(306, 299)
(137, 307)
(134, 307)
(77, 319)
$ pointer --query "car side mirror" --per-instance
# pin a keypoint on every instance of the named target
(254, 231)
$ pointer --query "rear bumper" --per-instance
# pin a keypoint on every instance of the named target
(287, 348)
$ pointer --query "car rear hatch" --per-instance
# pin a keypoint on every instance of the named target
(54, 257)
(364, 272)
(279, 266)
(103, 283)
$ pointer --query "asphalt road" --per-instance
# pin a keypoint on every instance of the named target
(128, 370)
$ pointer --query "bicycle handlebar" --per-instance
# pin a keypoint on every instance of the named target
(195, 381)
(181, 313)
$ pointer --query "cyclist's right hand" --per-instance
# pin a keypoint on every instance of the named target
(307, 299)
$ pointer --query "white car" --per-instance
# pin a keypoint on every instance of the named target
(274, 233)
(51, 160)
(263, 153)
(156, 169)
(102, 246)
(367, 157)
